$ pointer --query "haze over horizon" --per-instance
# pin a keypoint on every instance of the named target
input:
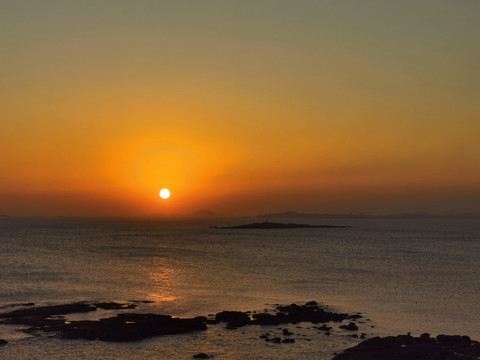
(242, 108)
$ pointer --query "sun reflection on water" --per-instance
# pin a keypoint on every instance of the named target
(163, 277)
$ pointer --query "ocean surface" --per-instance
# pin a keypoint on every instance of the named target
(403, 275)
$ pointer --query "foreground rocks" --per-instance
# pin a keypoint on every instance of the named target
(130, 327)
(134, 326)
(127, 326)
(45, 311)
(122, 327)
(290, 314)
(201, 356)
(406, 347)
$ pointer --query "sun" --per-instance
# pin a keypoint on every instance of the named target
(164, 193)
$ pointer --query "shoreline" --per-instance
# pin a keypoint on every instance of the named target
(279, 326)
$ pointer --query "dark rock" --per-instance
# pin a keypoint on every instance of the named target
(201, 356)
(285, 341)
(132, 327)
(349, 327)
(447, 340)
(3, 342)
(293, 314)
(311, 303)
(425, 336)
(286, 332)
(276, 340)
(123, 327)
(324, 327)
(233, 318)
(114, 305)
(45, 311)
(405, 347)
(265, 319)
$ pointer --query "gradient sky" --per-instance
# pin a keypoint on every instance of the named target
(241, 107)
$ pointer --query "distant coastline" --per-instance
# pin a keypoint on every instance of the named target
(269, 225)
(361, 215)
(209, 215)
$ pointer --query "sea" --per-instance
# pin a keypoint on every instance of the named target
(403, 275)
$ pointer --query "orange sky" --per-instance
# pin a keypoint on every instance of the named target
(240, 108)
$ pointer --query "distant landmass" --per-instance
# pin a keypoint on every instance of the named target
(420, 215)
(270, 225)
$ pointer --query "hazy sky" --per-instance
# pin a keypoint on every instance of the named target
(241, 107)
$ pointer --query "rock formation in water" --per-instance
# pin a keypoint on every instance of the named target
(406, 347)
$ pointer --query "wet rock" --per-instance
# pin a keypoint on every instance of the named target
(123, 327)
(114, 305)
(265, 319)
(131, 327)
(405, 347)
(45, 311)
(349, 327)
(293, 314)
(201, 356)
(233, 318)
(453, 340)
(324, 327)
(425, 336)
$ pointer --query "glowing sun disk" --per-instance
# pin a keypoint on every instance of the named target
(164, 193)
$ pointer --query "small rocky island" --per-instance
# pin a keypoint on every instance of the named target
(271, 225)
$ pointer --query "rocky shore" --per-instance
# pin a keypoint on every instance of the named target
(127, 326)
(406, 347)
(122, 327)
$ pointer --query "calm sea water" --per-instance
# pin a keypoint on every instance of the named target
(405, 275)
